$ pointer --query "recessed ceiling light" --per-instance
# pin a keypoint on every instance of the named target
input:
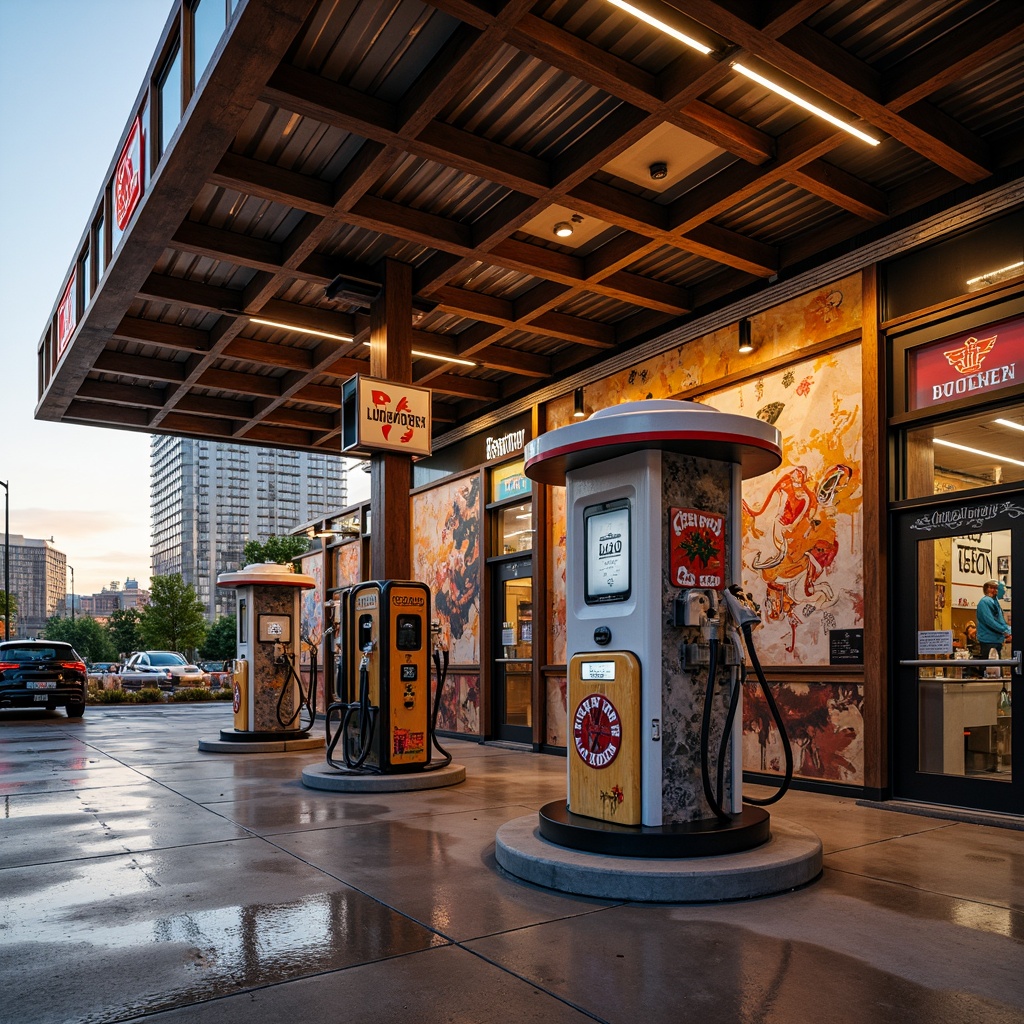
(650, 19)
(563, 229)
(435, 355)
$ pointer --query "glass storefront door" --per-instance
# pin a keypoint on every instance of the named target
(955, 724)
(512, 673)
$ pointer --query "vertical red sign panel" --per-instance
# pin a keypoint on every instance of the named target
(67, 319)
(696, 548)
(128, 176)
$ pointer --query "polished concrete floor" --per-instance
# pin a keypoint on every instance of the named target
(142, 879)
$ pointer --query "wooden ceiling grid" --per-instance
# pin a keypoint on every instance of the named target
(434, 133)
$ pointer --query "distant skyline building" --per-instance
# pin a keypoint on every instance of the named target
(209, 498)
(111, 599)
(38, 582)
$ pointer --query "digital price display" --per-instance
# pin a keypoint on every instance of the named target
(607, 561)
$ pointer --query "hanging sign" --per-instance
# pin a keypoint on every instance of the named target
(696, 548)
(128, 176)
(381, 415)
(967, 364)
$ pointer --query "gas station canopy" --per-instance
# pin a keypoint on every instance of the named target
(564, 179)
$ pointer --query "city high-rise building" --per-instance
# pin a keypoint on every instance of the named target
(209, 498)
(38, 582)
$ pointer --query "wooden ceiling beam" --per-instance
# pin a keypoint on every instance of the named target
(145, 397)
(141, 367)
(106, 415)
(465, 387)
(256, 385)
(219, 408)
(163, 335)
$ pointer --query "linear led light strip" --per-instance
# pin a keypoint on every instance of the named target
(996, 273)
(977, 451)
(1010, 423)
(347, 337)
(657, 23)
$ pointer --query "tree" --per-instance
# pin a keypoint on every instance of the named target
(4, 608)
(220, 643)
(123, 630)
(86, 635)
(174, 619)
(276, 549)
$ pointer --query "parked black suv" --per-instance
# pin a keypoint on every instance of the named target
(42, 674)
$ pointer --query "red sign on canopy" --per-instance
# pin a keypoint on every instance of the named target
(128, 176)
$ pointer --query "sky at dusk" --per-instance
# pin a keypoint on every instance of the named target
(70, 72)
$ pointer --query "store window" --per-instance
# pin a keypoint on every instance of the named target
(170, 98)
(515, 528)
(208, 20)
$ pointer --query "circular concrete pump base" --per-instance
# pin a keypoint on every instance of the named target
(340, 781)
(790, 858)
(260, 743)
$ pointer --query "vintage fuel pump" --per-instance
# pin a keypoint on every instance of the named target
(383, 722)
(653, 629)
(270, 699)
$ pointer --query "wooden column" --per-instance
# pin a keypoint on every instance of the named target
(876, 545)
(391, 474)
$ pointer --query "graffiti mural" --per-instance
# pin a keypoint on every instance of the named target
(346, 566)
(556, 564)
(446, 556)
(802, 545)
(460, 703)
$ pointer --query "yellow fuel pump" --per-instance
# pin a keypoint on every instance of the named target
(383, 722)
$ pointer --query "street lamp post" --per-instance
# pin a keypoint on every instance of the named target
(7, 560)
(72, 568)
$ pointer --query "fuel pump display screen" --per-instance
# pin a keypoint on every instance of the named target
(607, 563)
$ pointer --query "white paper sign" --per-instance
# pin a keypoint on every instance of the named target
(935, 641)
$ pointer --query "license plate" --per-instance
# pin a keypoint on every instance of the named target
(42, 697)
(42, 684)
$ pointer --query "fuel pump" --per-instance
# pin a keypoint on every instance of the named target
(655, 656)
(383, 722)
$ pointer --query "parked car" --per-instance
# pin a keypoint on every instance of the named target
(165, 669)
(99, 670)
(42, 674)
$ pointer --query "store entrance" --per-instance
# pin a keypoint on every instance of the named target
(512, 671)
(956, 725)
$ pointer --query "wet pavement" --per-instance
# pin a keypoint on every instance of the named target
(142, 879)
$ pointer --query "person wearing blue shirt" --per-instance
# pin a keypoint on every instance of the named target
(993, 629)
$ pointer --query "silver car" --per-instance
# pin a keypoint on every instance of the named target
(166, 669)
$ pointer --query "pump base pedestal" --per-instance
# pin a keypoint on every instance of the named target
(704, 838)
(792, 857)
(234, 741)
(334, 779)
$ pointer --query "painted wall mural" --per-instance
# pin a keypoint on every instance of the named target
(557, 729)
(311, 621)
(556, 567)
(446, 551)
(460, 703)
(346, 565)
(802, 524)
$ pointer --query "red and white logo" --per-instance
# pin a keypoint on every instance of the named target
(597, 731)
(67, 319)
(971, 354)
(128, 176)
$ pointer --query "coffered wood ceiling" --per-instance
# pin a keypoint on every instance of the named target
(451, 135)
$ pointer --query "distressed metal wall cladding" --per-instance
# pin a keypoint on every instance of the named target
(454, 136)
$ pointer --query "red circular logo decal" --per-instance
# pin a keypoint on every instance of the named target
(237, 702)
(597, 731)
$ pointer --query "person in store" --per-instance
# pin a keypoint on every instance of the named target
(972, 647)
(993, 629)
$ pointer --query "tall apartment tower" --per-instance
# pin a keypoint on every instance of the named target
(38, 577)
(208, 498)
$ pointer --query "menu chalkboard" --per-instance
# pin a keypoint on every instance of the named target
(846, 646)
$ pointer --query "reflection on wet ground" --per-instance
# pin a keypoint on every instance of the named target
(140, 878)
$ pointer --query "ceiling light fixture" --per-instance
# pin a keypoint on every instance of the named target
(300, 330)
(435, 355)
(657, 23)
(563, 229)
(578, 412)
(658, 171)
(1010, 423)
(977, 451)
(807, 105)
(746, 345)
(992, 275)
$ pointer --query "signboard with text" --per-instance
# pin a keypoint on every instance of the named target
(967, 364)
(128, 176)
(67, 320)
(697, 552)
(381, 415)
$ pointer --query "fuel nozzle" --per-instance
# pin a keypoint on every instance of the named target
(741, 607)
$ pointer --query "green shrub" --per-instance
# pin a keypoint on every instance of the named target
(192, 693)
(224, 693)
(148, 695)
(109, 697)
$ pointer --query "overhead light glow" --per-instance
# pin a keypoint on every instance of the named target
(992, 275)
(800, 102)
(657, 23)
(437, 356)
(300, 330)
(1010, 423)
(978, 451)
(563, 229)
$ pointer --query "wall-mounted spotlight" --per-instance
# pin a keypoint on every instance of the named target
(746, 345)
(658, 171)
(354, 290)
(578, 411)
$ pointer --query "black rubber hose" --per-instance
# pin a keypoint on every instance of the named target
(776, 714)
(441, 668)
(726, 737)
(705, 731)
(307, 699)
